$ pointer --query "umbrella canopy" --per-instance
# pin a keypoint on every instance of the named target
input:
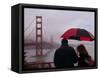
(78, 34)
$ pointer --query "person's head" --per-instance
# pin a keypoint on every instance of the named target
(64, 42)
(82, 50)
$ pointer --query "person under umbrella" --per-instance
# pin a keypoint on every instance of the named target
(65, 56)
(85, 59)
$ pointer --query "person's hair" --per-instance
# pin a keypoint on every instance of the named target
(64, 42)
(82, 50)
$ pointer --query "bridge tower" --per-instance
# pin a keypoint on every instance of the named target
(39, 49)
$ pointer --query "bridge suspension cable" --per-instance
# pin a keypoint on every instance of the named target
(28, 26)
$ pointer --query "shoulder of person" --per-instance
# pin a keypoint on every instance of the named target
(58, 49)
(89, 57)
(71, 47)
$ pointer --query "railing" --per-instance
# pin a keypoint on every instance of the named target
(38, 65)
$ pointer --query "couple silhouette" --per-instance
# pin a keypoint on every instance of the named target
(66, 57)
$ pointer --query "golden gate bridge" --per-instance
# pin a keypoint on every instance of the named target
(38, 44)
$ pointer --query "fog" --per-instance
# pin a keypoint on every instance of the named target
(56, 22)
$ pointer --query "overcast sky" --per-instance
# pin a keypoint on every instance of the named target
(56, 22)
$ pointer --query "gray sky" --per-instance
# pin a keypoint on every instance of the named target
(56, 22)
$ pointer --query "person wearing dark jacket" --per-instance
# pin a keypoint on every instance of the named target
(65, 56)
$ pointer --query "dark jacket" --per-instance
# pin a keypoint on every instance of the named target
(65, 56)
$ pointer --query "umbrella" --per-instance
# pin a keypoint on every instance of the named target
(78, 34)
